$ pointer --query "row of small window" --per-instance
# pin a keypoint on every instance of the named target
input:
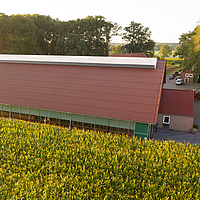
(188, 75)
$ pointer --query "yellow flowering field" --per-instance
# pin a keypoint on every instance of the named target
(45, 162)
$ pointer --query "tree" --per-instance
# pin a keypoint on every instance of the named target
(186, 45)
(5, 30)
(21, 38)
(87, 36)
(39, 34)
(196, 38)
(71, 44)
(165, 51)
(71, 40)
(189, 50)
(43, 32)
(196, 57)
(117, 49)
(185, 50)
(138, 38)
(98, 33)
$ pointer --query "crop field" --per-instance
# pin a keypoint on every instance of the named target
(174, 59)
(45, 162)
(171, 69)
(173, 65)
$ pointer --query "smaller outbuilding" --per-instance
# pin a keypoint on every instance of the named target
(190, 77)
(176, 110)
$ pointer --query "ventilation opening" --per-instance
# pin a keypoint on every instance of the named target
(166, 121)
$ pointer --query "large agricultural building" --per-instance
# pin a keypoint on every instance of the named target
(111, 94)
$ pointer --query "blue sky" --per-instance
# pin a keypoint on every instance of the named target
(167, 20)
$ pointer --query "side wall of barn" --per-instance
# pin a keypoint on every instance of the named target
(57, 118)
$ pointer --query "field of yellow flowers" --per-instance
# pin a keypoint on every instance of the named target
(45, 162)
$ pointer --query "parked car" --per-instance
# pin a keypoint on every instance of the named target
(179, 81)
(171, 77)
(178, 77)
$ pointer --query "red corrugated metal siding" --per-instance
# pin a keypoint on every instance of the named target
(121, 93)
(177, 102)
(141, 55)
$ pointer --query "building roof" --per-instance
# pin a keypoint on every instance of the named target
(141, 55)
(177, 102)
(113, 92)
(81, 60)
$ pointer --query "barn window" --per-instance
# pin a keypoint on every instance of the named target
(191, 75)
(166, 120)
(186, 75)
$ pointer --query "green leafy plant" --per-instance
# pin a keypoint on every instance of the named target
(195, 126)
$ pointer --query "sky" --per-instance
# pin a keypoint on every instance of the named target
(166, 19)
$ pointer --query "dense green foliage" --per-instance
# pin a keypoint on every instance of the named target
(172, 46)
(39, 34)
(138, 38)
(165, 51)
(90, 36)
(189, 49)
(197, 39)
(43, 162)
(195, 126)
(118, 49)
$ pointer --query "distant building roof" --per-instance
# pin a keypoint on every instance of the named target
(177, 102)
(113, 92)
(141, 55)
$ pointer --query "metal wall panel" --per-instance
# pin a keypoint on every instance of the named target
(6, 108)
(44, 113)
(64, 116)
(132, 126)
(24, 110)
(33, 111)
(54, 114)
(195, 80)
(113, 123)
(78, 118)
(141, 135)
(89, 119)
(15, 109)
(124, 124)
(101, 121)
(140, 129)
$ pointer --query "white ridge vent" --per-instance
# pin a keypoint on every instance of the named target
(99, 61)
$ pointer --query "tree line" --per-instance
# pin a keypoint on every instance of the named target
(171, 46)
(90, 36)
(189, 49)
